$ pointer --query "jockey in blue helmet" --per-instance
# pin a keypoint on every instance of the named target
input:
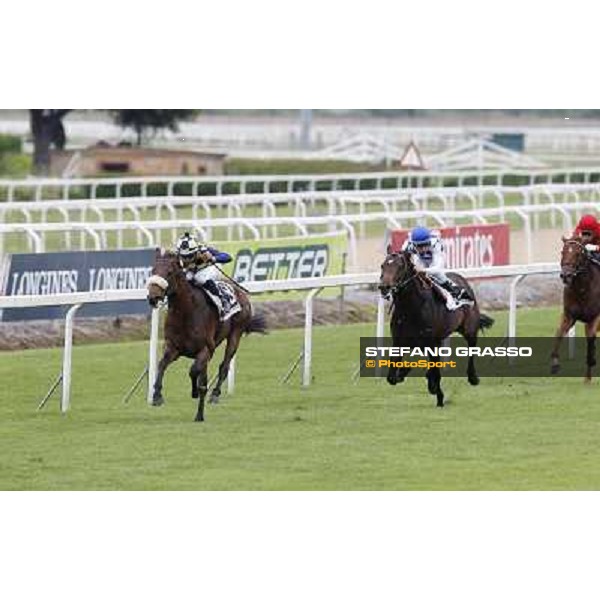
(427, 252)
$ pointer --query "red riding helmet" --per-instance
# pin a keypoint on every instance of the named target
(588, 223)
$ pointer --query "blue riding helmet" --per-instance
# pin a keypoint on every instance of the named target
(420, 236)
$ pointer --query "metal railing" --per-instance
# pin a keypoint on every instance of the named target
(311, 285)
(90, 213)
(149, 233)
(334, 201)
(38, 189)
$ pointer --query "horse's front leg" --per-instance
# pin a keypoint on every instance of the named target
(566, 322)
(396, 375)
(472, 376)
(392, 377)
(170, 354)
(233, 341)
(199, 375)
(590, 334)
(434, 385)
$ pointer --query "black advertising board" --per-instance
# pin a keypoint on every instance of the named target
(66, 272)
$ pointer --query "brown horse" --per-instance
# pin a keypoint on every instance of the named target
(420, 317)
(580, 274)
(193, 328)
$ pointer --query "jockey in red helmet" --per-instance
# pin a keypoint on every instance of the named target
(588, 229)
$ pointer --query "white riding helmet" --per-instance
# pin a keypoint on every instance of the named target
(187, 246)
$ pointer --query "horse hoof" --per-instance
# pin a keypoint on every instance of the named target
(440, 399)
(213, 399)
(474, 380)
(158, 401)
(392, 380)
(199, 419)
(554, 369)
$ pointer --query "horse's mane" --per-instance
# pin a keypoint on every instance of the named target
(420, 278)
(577, 239)
(165, 253)
(401, 253)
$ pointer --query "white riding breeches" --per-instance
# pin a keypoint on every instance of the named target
(203, 275)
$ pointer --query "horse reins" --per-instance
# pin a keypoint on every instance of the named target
(582, 269)
(400, 285)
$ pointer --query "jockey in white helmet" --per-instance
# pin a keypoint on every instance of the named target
(198, 261)
(427, 252)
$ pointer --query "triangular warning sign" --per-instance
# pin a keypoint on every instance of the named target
(411, 159)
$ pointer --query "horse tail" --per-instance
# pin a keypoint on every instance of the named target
(485, 322)
(257, 324)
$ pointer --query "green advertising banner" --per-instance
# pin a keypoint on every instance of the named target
(287, 258)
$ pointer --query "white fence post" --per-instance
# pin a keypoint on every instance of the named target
(67, 355)
(231, 377)
(380, 316)
(571, 335)
(308, 315)
(512, 310)
(153, 353)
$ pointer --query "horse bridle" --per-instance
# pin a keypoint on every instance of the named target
(162, 282)
(400, 285)
(583, 268)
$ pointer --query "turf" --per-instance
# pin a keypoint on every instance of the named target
(336, 435)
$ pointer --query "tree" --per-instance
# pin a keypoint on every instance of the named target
(141, 120)
(47, 130)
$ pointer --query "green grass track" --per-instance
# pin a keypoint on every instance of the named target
(337, 435)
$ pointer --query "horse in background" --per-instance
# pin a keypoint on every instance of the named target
(193, 328)
(580, 274)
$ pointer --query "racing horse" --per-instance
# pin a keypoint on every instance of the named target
(420, 317)
(193, 328)
(580, 274)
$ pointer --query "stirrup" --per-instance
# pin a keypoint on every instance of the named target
(452, 304)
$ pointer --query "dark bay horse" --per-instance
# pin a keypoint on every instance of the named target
(420, 317)
(580, 275)
(193, 328)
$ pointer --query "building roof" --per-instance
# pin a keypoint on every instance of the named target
(141, 150)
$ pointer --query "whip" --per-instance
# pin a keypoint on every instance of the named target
(232, 280)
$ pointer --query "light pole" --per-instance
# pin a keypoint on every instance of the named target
(305, 127)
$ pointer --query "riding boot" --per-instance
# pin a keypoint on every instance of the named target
(458, 293)
(213, 288)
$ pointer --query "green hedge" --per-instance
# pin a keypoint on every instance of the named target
(12, 162)
(10, 143)
(242, 166)
(15, 165)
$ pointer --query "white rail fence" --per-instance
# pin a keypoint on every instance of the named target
(313, 285)
(185, 185)
(299, 203)
(150, 233)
